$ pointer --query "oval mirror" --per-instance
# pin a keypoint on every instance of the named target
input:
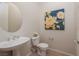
(10, 17)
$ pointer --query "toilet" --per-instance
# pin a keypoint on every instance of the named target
(41, 48)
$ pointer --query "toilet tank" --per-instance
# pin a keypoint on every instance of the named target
(35, 40)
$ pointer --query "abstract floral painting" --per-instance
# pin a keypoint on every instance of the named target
(54, 20)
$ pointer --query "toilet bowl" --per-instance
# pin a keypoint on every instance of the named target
(41, 48)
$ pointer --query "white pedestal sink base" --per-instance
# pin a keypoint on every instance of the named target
(16, 52)
(19, 47)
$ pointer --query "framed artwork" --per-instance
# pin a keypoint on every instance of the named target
(54, 20)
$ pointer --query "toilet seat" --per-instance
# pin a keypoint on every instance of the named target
(42, 45)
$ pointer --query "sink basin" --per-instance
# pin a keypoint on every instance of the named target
(12, 44)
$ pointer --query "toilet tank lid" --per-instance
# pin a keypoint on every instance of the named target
(35, 37)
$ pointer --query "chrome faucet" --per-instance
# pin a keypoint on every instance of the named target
(13, 37)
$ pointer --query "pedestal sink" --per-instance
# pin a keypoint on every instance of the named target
(14, 44)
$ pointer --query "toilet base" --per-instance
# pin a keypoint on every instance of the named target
(38, 51)
(41, 52)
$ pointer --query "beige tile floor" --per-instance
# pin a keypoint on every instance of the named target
(54, 53)
(50, 53)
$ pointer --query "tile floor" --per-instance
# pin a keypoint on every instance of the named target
(50, 53)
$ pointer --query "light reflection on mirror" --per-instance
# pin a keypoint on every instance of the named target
(10, 17)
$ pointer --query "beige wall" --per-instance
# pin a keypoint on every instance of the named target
(4, 16)
(63, 40)
(77, 23)
(3, 23)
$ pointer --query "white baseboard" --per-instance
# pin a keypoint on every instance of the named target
(61, 52)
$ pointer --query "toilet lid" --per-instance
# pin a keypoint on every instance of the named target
(43, 45)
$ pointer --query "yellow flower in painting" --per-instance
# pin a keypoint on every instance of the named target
(60, 15)
(50, 21)
(53, 27)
